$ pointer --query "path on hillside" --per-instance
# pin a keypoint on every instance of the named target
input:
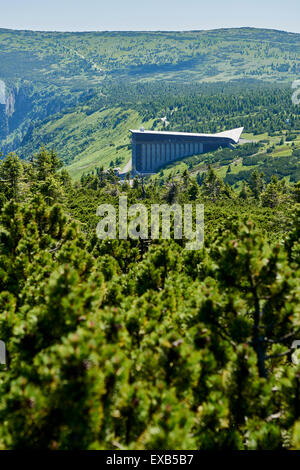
(127, 167)
(91, 62)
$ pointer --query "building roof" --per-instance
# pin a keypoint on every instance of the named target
(233, 134)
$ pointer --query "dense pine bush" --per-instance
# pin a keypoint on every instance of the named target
(129, 344)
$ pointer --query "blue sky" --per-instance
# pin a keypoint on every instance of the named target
(103, 15)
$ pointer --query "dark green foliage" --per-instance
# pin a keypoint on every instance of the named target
(140, 344)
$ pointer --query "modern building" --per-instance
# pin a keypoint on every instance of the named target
(152, 149)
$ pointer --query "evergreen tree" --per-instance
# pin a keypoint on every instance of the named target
(212, 185)
(11, 171)
(271, 196)
(257, 183)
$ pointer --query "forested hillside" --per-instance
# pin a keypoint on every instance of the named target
(80, 92)
(96, 132)
(141, 344)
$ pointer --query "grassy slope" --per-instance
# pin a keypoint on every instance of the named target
(107, 144)
(94, 140)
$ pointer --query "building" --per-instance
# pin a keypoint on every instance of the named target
(152, 149)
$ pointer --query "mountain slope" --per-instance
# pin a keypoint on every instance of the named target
(52, 83)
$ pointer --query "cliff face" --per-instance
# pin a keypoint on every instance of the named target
(15, 104)
(10, 104)
(3, 123)
(7, 99)
(18, 106)
(23, 104)
(3, 117)
(2, 92)
(7, 107)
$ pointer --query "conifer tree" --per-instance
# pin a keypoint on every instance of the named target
(11, 171)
